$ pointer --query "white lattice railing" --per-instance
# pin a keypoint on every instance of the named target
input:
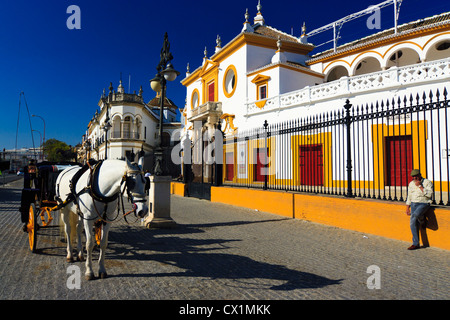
(427, 71)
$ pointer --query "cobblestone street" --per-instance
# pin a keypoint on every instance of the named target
(220, 252)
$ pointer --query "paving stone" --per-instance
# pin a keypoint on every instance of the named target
(219, 252)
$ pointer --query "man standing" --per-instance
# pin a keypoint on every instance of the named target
(420, 192)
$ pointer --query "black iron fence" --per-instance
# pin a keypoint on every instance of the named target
(365, 151)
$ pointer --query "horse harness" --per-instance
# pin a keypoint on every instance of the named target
(94, 168)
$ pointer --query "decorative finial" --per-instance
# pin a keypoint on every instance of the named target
(279, 56)
(206, 53)
(247, 27)
(259, 18)
(120, 87)
(111, 88)
(304, 36)
(141, 92)
(188, 68)
(218, 43)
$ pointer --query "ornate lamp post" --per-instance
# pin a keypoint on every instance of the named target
(106, 126)
(166, 72)
(159, 194)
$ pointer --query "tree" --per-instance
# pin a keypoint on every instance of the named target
(56, 150)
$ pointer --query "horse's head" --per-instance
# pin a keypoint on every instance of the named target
(135, 184)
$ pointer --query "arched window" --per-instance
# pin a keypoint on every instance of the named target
(367, 65)
(137, 133)
(126, 128)
(440, 50)
(403, 57)
(115, 133)
(337, 73)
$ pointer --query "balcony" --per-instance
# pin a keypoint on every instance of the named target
(438, 70)
(125, 135)
(121, 97)
(209, 112)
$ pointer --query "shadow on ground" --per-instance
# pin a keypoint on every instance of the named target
(204, 258)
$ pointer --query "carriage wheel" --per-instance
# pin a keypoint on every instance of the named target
(32, 228)
(98, 231)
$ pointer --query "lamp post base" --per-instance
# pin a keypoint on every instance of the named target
(159, 203)
(160, 223)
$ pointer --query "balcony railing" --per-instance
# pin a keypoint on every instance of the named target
(125, 135)
(391, 78)
(206, 110)
(124, 97)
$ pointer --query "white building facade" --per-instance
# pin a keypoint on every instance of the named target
(133, 126)
(264, 74)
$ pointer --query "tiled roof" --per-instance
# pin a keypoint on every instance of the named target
(167, 103)
(273, 33)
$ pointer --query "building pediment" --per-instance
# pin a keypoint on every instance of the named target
(208, 67)
(260, 78)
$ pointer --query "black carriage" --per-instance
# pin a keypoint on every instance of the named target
(39, 198)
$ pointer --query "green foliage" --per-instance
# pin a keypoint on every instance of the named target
(56, 150)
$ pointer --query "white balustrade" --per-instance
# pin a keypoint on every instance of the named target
(427, 71)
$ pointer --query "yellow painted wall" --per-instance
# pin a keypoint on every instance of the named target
(368, 216)
(177, 188)
(269, 201)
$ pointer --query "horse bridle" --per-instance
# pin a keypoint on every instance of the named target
(130, 183)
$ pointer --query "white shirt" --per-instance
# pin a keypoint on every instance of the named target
(417, 195)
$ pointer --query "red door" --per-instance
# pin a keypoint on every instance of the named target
(211, 92)
(311, 165)
(399, 160)
(260, 166)
(229, 166)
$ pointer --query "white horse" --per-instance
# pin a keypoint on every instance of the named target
(97, 199)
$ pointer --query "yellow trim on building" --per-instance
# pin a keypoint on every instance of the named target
(193, 106)
(225, 92)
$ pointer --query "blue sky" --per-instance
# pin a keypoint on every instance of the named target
(63, 72)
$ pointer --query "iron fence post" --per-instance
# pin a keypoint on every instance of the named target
(266, 165)
(348, 121)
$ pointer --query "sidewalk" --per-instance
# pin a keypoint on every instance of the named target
(221, 252)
